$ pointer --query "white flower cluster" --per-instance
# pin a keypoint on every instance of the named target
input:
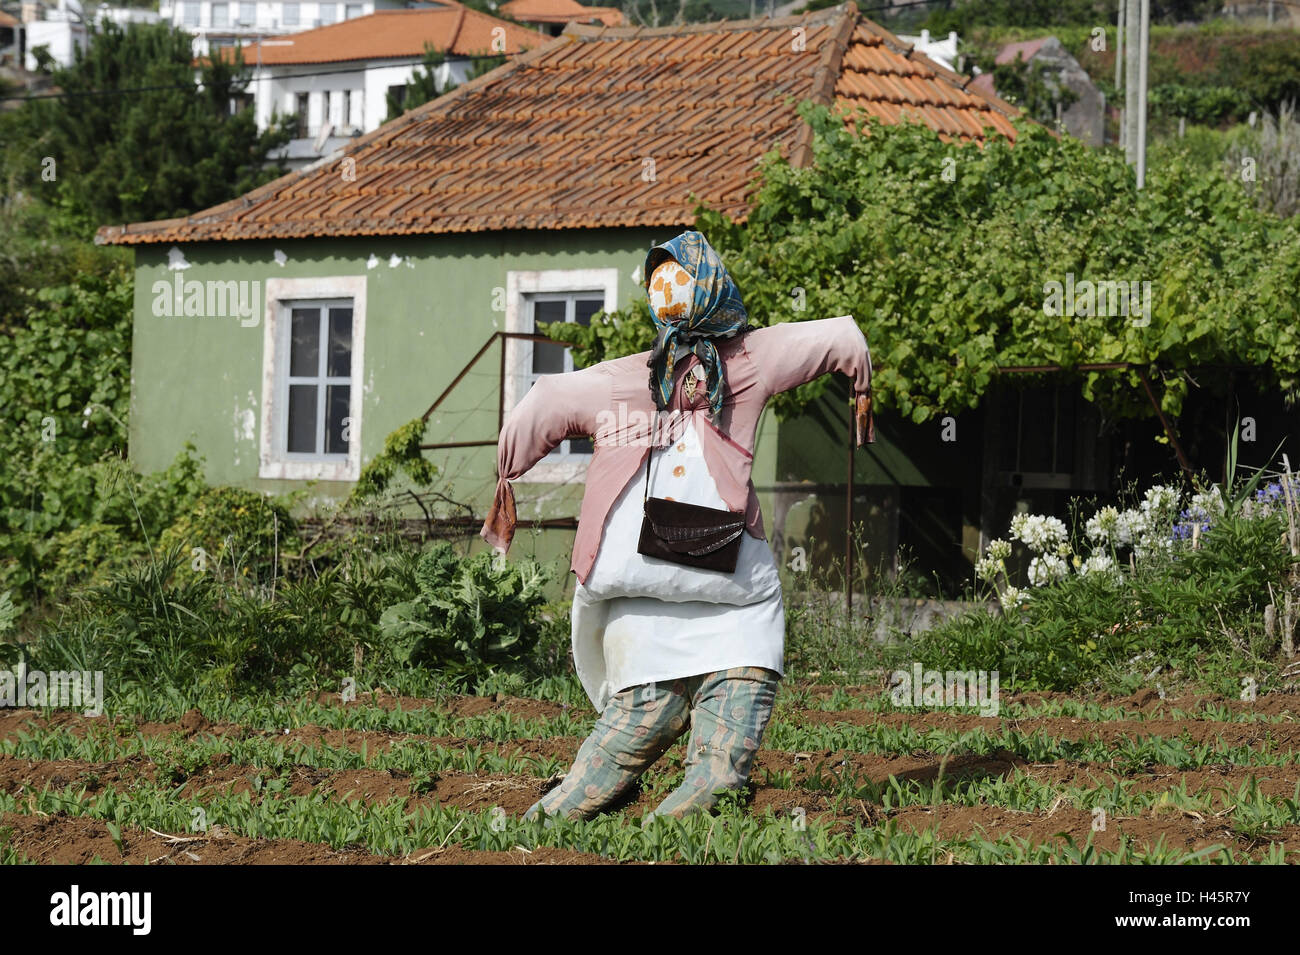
(1037, 532)
(1012, 597)
(986, 569)
(1047, 569)
(1156, 527)
(1160, 499)
(1103, 526)
(996, 554)
(1206, 506)
(1099, 563)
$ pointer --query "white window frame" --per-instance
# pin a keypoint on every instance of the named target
(212, 10)
(556, 467)
(272, 461)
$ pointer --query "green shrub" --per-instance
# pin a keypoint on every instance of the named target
(1177, 612)
(469, 615)
(86, 555)
(233, 527)
(35, 550)
(157, 624)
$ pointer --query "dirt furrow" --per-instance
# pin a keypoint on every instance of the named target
(77, 840)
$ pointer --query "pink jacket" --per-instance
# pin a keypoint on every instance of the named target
(611, 401)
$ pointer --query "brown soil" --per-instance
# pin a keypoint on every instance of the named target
(65, 839)
(73, 840)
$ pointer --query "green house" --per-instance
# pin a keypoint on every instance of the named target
(289, 331)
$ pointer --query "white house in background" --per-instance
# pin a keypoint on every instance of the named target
(11, 40)
(63, 29)
(943, 52)
(217, 23)
(336, 79)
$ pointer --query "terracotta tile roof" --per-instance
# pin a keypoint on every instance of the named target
(882, 75)
(562, 136)
(393, 33)
(561, 11)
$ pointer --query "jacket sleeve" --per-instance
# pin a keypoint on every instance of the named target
(556, 407)
(792, 353)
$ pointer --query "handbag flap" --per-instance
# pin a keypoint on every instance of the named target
(692, 528)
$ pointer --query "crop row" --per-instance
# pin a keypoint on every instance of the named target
(391, 828)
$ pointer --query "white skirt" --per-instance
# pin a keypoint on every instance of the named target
(622, 638)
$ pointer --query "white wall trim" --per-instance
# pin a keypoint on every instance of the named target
(519, 284)
(270, 464)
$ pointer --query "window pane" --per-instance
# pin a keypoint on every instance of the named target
(304, 349)
(584, 308)
(336, 410)
(328, 13)
(302, 105)
(353, 10)
(190, 14)
(548, 359)
(340, 356)
(219, 15)
(290, 14)
(248, 14)
(302, 418)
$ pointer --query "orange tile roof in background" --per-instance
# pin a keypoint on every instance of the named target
(455, 29)
(1025, 49)
(561, 11)
(560, 136)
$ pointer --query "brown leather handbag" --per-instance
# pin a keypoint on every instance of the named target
(689, 534)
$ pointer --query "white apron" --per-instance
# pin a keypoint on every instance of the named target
(622, 638)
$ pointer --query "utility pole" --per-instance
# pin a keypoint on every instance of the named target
(1119, 67)
(1142, 95)
(1132, 26)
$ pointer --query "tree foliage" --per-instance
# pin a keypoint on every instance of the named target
(943, 252)
(134, 138)
(1029, 86)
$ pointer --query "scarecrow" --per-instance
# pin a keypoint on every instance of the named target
(678, 618)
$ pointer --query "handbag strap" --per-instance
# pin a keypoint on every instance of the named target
(649, 452)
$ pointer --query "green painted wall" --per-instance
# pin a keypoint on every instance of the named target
(429, 309)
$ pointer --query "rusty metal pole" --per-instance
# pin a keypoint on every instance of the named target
(501, 386)
(848, 532)
(1169, 431)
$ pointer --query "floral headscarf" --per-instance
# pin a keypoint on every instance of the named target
(716, 312)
